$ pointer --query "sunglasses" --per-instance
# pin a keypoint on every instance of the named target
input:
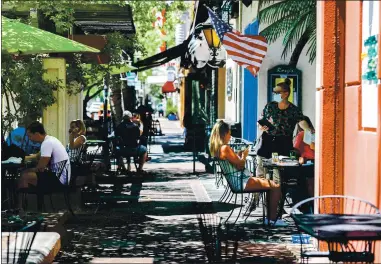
(279, 92)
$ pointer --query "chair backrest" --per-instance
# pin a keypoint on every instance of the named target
(90, 156)
(336, 204)
(233, 176)
(62, 171)
(77, 155)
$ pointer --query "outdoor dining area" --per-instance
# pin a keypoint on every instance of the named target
(346, 228)
(349, 227)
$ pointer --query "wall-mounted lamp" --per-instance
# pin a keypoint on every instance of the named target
(213, 41)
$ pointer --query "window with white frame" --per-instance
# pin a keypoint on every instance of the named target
(369, 57)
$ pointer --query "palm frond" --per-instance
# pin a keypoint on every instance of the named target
(297, 29)
(262, 3)
(279, 10)
(272, 13)
(277, 29)
(312, 46)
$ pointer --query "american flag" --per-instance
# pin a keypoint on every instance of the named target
(248, 51)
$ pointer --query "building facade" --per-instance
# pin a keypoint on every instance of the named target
(248, 95)
(348, 101)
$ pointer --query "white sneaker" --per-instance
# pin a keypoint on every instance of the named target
(278, 223)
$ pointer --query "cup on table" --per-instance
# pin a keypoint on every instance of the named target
(275, 157)
(292, 154)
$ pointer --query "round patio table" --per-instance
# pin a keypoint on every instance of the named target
(338, 230)
(285, 179)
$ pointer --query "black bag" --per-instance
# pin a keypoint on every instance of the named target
(265, 149)
(12, 150)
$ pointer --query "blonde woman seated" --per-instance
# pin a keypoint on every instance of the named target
(219, 148)
(77, 140)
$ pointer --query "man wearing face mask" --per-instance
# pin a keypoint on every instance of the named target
(281, 116)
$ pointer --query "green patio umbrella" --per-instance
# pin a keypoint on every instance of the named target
(19, 38)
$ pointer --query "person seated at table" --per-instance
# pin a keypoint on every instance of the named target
(52, 152)
(219, 148)
(77, 140)
(136, 119)
(129, 133)
(19, 137)
(306, 152)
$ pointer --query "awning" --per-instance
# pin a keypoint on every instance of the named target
(163, 57)
(168, 87)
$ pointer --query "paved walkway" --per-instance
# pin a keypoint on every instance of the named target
(171, 216)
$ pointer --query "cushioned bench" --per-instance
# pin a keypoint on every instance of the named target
(45, 247)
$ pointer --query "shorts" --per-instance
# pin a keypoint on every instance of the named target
(139, 151)
(48, 180)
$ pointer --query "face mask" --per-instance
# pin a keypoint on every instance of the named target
(277, 97)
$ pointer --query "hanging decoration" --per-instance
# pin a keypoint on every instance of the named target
(371, 55)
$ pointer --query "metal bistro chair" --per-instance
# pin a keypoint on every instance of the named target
(19, 243)
(58, 169)
(236, 144)
(235, 178)
(117, 153)
(332, 207)
(221, 245)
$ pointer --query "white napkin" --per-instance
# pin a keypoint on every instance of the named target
(308, 137)
(12, 160)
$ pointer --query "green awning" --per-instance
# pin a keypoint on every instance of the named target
(19, 38)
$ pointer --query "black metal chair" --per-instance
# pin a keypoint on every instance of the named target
(220, 245)
(19, 244)
(236, 144)
(156, 128)
(235, 179)
(119, 153)
(46, 185)
(331, 207)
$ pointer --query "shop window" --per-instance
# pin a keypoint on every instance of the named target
(369, 57)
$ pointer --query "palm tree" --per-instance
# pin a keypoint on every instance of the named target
(295, 20)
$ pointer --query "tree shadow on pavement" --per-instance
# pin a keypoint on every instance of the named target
(231, 243)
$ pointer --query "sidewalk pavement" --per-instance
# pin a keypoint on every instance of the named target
(172, 216)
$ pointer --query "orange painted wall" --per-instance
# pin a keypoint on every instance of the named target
(361, 153)
(349, 160)
(361, 158)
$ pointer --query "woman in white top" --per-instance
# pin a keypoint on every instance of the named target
(77, 140)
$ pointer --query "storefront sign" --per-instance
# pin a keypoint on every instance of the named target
(277, 75)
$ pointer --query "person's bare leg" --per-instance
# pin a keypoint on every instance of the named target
(142, 160)
(275, 193)
(275, 196)
(27, 177)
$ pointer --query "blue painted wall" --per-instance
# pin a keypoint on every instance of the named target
(250, 96)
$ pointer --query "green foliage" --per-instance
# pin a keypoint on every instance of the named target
(155, 92)
(89, 78)
(144, 16)
(295, 20)
(61, 14)
(170, 108)
(24, 89)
